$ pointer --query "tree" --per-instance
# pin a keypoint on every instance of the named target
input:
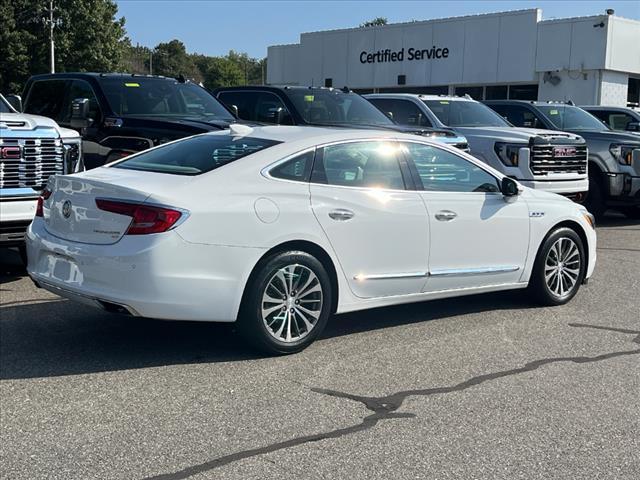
(87, 34)
(223, 72)
(172, 60)
(376, 22)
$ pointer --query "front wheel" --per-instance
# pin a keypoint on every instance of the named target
(631, 212)
(287, 303)
(595, 201)
(559, 269)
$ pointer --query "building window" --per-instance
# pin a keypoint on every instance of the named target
(523, 92)
(473, 92)
(633, 92)
(328, 82)
(496, 92)
(402, 79)
(423, 90)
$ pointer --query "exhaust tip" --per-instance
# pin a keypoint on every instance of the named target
(114, 308)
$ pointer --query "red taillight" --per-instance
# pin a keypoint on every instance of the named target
(145, 218)
(46, 193)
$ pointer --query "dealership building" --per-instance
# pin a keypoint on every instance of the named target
(517, 54)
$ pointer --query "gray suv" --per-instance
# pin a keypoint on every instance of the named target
(614, 157)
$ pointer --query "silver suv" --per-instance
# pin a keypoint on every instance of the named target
(540, 159)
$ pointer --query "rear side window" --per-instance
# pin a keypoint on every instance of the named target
(196, 155)
(360, 164)
(405, 112)
(46, 98)
(297, 168)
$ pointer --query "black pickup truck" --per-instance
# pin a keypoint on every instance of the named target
(320, 106)
(119, 114)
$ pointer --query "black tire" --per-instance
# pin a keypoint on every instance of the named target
(22, 250)
(595, 201)
(631, 212)
(538, 285)
(253, 326)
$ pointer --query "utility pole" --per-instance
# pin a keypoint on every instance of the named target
(150, 62)
(52, 48)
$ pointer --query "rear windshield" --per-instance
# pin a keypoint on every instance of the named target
(195, 155)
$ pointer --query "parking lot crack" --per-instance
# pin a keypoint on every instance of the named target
(385, 407)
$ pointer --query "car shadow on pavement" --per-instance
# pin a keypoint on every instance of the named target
(55, 337)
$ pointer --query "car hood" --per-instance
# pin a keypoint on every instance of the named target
(20, 122)
(608, 135)
(187, 123)
(516, 134)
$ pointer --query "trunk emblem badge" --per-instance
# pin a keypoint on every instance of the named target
(66, 209)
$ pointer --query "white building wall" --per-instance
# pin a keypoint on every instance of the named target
(581, 88)
(614, 87)
(623, 45)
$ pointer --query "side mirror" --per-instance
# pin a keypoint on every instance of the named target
(277, 114)
(509, 187)
(633, 127)
(390, 115)
(15, 101)
(80, 113)
(234, 110)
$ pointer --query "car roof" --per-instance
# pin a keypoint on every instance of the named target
(275, 88)
(604, 107)
(51, 76)
(421, 96)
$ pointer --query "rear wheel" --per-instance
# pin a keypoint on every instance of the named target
(287, 303)
(22, 250)
(559, 269)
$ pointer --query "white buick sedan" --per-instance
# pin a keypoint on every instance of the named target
(279, 227)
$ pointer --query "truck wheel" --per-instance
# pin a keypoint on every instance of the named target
(559, 269)
(22, 250)
(595, 198)
(632, 212)
(287, 303)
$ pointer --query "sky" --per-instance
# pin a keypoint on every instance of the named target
(215, 27)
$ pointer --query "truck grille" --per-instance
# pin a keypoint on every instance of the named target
(39, 158)
(545, 161)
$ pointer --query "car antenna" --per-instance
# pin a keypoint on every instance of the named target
(181, 78)
(570, 102)
(345, 89)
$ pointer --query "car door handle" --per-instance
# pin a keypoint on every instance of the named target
(446, 215)
(341, 214)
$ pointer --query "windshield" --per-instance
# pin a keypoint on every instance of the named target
(4, 106)
(195, 155)
(571, 118)
(320, 106)
(463, 113)
(161, 97)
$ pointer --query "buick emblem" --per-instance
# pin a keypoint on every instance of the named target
(66, 209)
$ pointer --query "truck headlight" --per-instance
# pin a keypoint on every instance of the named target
(623, 153)
(73, 156)
(509, 153)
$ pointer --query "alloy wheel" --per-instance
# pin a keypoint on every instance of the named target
(292, 303)
(562, 267)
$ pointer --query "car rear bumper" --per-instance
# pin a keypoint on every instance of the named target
(157, 276)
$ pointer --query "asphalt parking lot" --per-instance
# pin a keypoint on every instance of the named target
(482, 387)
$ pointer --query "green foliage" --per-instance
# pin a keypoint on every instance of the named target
(88, 37)
(376, 22)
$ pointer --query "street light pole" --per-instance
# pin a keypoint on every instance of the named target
(51, 42)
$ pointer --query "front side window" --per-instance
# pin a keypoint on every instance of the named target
(404, 112)
(360, 164)
(465, 113)
(46, 98)
(81, 89)
(144, 96)
(319, 106)
(443, 171)
(256, 106)
(619, 121)
(195, 155)
(571, 118)
(297, 168)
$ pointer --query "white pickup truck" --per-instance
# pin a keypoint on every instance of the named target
(32, 148)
